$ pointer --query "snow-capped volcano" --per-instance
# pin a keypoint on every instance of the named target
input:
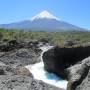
(43, 21)
(44, 14)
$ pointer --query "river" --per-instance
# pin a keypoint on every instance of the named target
(40, 74)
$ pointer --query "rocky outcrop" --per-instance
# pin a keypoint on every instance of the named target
(13, 75)
(20, 57)
(2, 71)
(23, 71)
(78, 76)
(14, 44)
(18, 82)
(72, 63)
(58, 59)
(20, 78)
(10, 45)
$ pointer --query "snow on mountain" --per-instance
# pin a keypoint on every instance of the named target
(44, 14)
(43, 21)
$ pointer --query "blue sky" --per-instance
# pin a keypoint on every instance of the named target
(76, 12)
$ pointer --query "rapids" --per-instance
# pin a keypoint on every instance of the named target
(40, 74)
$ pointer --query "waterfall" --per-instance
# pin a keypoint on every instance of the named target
(40, 74)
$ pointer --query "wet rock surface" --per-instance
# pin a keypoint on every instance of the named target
(13, 75)
(19, 57)
(18, 82)
(72, 64)
(78, 76)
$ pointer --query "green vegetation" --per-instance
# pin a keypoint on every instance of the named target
(56, 38)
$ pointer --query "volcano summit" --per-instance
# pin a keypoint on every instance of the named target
(43, 21)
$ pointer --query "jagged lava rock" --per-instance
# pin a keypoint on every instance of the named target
(79, 76)
(58, 59)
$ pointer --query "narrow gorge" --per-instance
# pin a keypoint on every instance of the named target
(40, 73)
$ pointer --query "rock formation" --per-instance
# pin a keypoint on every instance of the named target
(13, 76)
(70, 63)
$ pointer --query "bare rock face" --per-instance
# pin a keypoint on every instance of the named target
(58, 59)
(20, 79)
(2, 71)
(72, 64)
(13, 75)
(78, 76)
(19, 82)
(24, 71)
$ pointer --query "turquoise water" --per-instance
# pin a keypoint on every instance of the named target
(40, 74)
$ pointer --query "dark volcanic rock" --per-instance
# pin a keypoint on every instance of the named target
(72, 64)
(20, 79)
(2, 71)
(12, 78)
(18, 82)
(5, 47)
(23, 71)
(58, 59)
(10, 70)
(79, 76)
(20, 57)
(14, 44)
(13, 75)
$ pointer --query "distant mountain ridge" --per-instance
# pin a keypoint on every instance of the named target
(43, 22)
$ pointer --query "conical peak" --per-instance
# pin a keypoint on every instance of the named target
(44, 14)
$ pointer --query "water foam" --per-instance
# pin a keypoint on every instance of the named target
(40, 74)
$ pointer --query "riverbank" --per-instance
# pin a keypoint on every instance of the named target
(39, 73)
(13, 74)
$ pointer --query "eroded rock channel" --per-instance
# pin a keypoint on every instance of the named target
(14, 57)
(70, 63)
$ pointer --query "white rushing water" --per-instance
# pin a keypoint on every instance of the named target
(40, 74)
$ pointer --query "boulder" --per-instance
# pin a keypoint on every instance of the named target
(20, 57)
(13, 43)
(71, 43)
(33, 44)
(79, 76)
(58, 59)
(19, 78)
(5, 47)
(19, 82)
(2, 72)
(9, 46)
(24, 71)
(72, 63)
